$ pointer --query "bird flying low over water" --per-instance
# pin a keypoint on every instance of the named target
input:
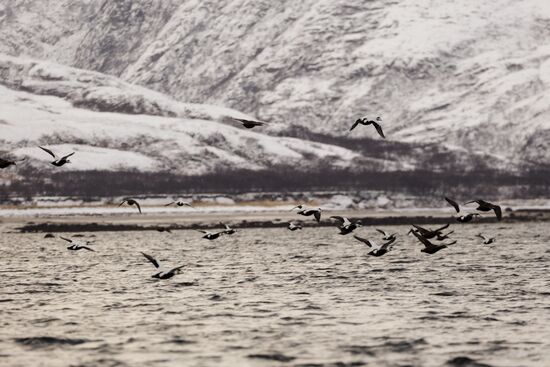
(180, 203)
(249, 124)
(485, 206)
(131, 202)
(228, 229)
(5, 163)
(161, 272)
(365, 121)
(346, 226)
(387, 236)
(211, 235)
(464, 218)
(377, 250)
(306, 212)
(293, 226)
(58, 162)
(486, 240)
(429, 247)
(77, 245)
(429, 233)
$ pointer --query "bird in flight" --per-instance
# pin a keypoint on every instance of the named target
(462, 218)
(429, 233)
(161, 272)
(293, 226)
(58, 162)
(131, 202)
(228, 229)
(429, 247)
(180, 203)
(5, 163)
(211, 235)
(306, 212)
(77, 245)
(387, 235)
(485, 206)
(346, 226)
(377, 250)
(249, 124)
(486, 240)
(365, 121)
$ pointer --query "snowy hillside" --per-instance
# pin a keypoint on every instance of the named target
(471, 75)
(68, 109)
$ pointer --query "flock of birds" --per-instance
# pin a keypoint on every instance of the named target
(427, 237)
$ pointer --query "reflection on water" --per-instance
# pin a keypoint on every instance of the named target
(275, 297)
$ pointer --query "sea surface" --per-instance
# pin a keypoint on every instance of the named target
(271, 297)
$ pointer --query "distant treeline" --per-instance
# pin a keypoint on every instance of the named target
(280, 179)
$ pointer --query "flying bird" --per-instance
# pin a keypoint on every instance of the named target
(306, 212)
(210, 235)
(161, 272)
(131, 202)
(249, 124)
(77, 245)
(346, 226)
(228, 229)
(486, 240)
(429, 247)
(387, 236)
(429, 233)
(377, 250)
(5, 163)
(58, 162)
(365, 121)
(464, 218)
(293, 226)
(485, 206)
(180, 203)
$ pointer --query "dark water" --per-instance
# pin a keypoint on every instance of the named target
(277, 298)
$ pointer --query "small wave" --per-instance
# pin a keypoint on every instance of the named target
(48, 341)
(272, 357)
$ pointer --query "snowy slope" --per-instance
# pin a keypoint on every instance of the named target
(470, 75)
(68, 109)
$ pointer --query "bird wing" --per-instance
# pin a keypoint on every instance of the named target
(202, 231)
(423, 240)
(354, 125)
(245, 121)
(344, 221)
(387, 244)
(123, 201)
(421, 229)
(138, 206)
(87, 248)
(317, 216)
(152, 260)
(48, 151)
(453, 203)
(482, 237)
(384, 233)
(379, 129)
(498, 211)
(66, 239)
(172, 203)
(175, 270)
(67, 156)
(364, 240)
(451, 243)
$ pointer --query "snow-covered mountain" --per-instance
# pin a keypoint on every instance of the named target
(471, 76)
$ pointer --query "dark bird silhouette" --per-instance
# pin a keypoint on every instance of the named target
(346, 226)
(58, 162)
(442, 237)
(163, 229)
(308, 212)
(180, 203)
(485, 206)
(131, 202)
(249, 124)
(365, 121)
(464, 218)
(486, 240)
(387, 236)
(5, 163)
(77, 245)
(429, 247)
(377, 250)
(429, 233)
(211, 235)
(293, 226)
(161, 272)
